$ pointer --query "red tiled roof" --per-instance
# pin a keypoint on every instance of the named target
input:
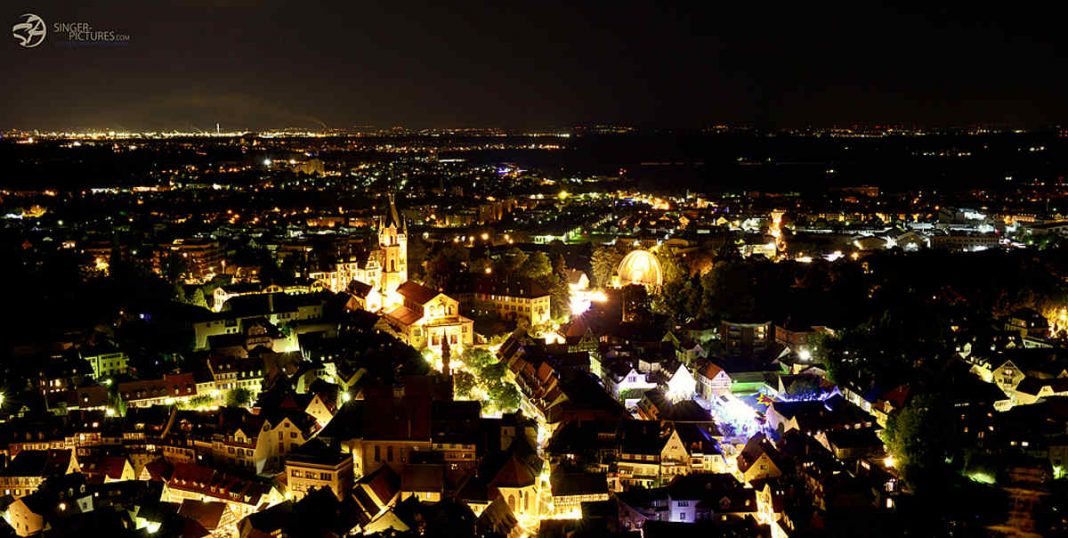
(404, 315)
(757, 446)
(523, 287)
(207, 514)
(159, 470)
(208, 481)
(417, 293)
(109, 466)
(711, 370)
(513, 474)
(391, 419)
(359, 289)
(384, 482)
(169, 386)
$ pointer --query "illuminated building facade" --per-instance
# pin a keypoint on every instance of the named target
(713, 381)
(681, 386)
(242, 496)
(229, 373)
(203, 258)
(426, 318)
(512, 298)
(167, 390)
(314, 465)
(105, 363)
(240, 314)
(384, 269)
(744, 339)
(393, 244)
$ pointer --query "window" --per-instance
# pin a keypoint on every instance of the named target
(378, 453)
(389, 454)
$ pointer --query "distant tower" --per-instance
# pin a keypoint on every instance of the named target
(393, 240)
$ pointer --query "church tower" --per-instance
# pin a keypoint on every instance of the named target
(393, 240)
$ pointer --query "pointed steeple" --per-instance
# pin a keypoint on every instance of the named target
(393, 245)
(446, 356)
(392, 218)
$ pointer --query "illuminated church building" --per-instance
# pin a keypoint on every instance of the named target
(420, 316)
(393, 244)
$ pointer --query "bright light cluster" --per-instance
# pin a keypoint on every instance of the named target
(582, 300)
(731, 410)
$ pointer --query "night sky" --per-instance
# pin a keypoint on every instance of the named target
(248, 64)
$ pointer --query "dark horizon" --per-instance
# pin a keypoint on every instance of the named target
(605, 129)
(275, 64)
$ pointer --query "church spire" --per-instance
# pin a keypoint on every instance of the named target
(392, 218)
(446, 355)
(393, 242)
